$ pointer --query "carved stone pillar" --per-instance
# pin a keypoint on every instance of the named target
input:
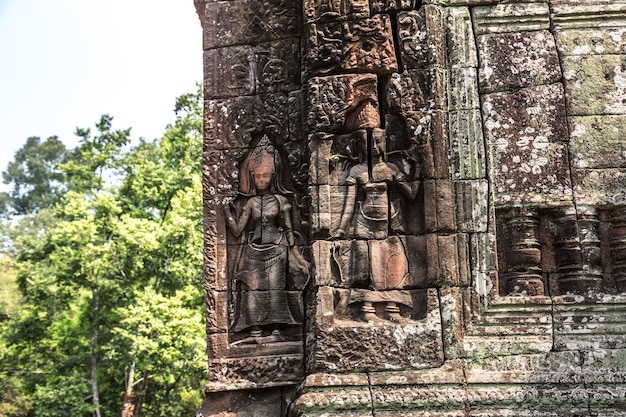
(522, 252)
(589, 231)
(578, 250)
(618, 248)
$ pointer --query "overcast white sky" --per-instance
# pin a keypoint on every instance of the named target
(63, 63)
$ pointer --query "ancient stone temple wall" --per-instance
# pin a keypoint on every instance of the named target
(415, 208)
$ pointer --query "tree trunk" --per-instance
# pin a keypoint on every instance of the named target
(94, 346)
(127, 407)
(142, 396)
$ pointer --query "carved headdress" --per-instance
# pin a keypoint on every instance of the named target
(263, 155)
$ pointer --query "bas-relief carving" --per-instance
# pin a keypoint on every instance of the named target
(268, 270)
(369, 45)
(335, 10)
(374, 187)
(343, 103)
(370, 213)
(363, 45)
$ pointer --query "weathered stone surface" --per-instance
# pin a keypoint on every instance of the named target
(436, 260)
(608, 41)
(324, 44)
(451, 372)
(438, 206)
(452, 322)
(514, 17)
(598, 141)
(364, 45)
(599, 186)
(228, 72)
(382, 345)
(483, 262)
(584, 325)
(386, 6)
(469, 258)
(525, 133)
(277, 66)
(463, 89)
(568, 14)
(517, 60)
(249, 21)
(472, 207)
(255, 372)
(604, 366)
(595, 84)
(220, 174)
(348, 401)
(460, 38)
(406, 399)
(369, 46)
(529, 398)
(232, 123)
(421, 37)
(335, 10)
(480, 346)
(417, 91)
(467, 145)
(244, 403)
(343, 103)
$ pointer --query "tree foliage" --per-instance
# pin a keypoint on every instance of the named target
(35, 176)
(108, 262)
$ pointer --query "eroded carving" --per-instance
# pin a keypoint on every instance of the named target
(269, 270)
(371, 210)
(369, 45)
(367, 210)
(343, 103)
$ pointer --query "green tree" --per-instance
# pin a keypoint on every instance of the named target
(34, 175)
(111, 281)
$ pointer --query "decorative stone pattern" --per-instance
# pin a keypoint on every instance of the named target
(415, 208)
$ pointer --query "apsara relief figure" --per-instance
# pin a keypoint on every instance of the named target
(263, 303)
(367, 213)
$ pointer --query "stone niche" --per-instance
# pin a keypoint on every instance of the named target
(414, 208)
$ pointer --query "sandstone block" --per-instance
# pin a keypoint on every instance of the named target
(594, 84)
(358, 346)
(472, 209)
(599, 186)
(232, 123)
(467, 145)
(460, 38)
(343, 103)
(363, 45)
(319, 11)
(524, 132)
(421, 37)
(516, 60)
(228, 72)
(368, 45)
(592, 41)
(513, 17)
(598, 141)
(463, 89)
(229, 23)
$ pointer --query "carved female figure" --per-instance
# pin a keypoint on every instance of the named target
(368, 211)
(371, 213)
(264, 227)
